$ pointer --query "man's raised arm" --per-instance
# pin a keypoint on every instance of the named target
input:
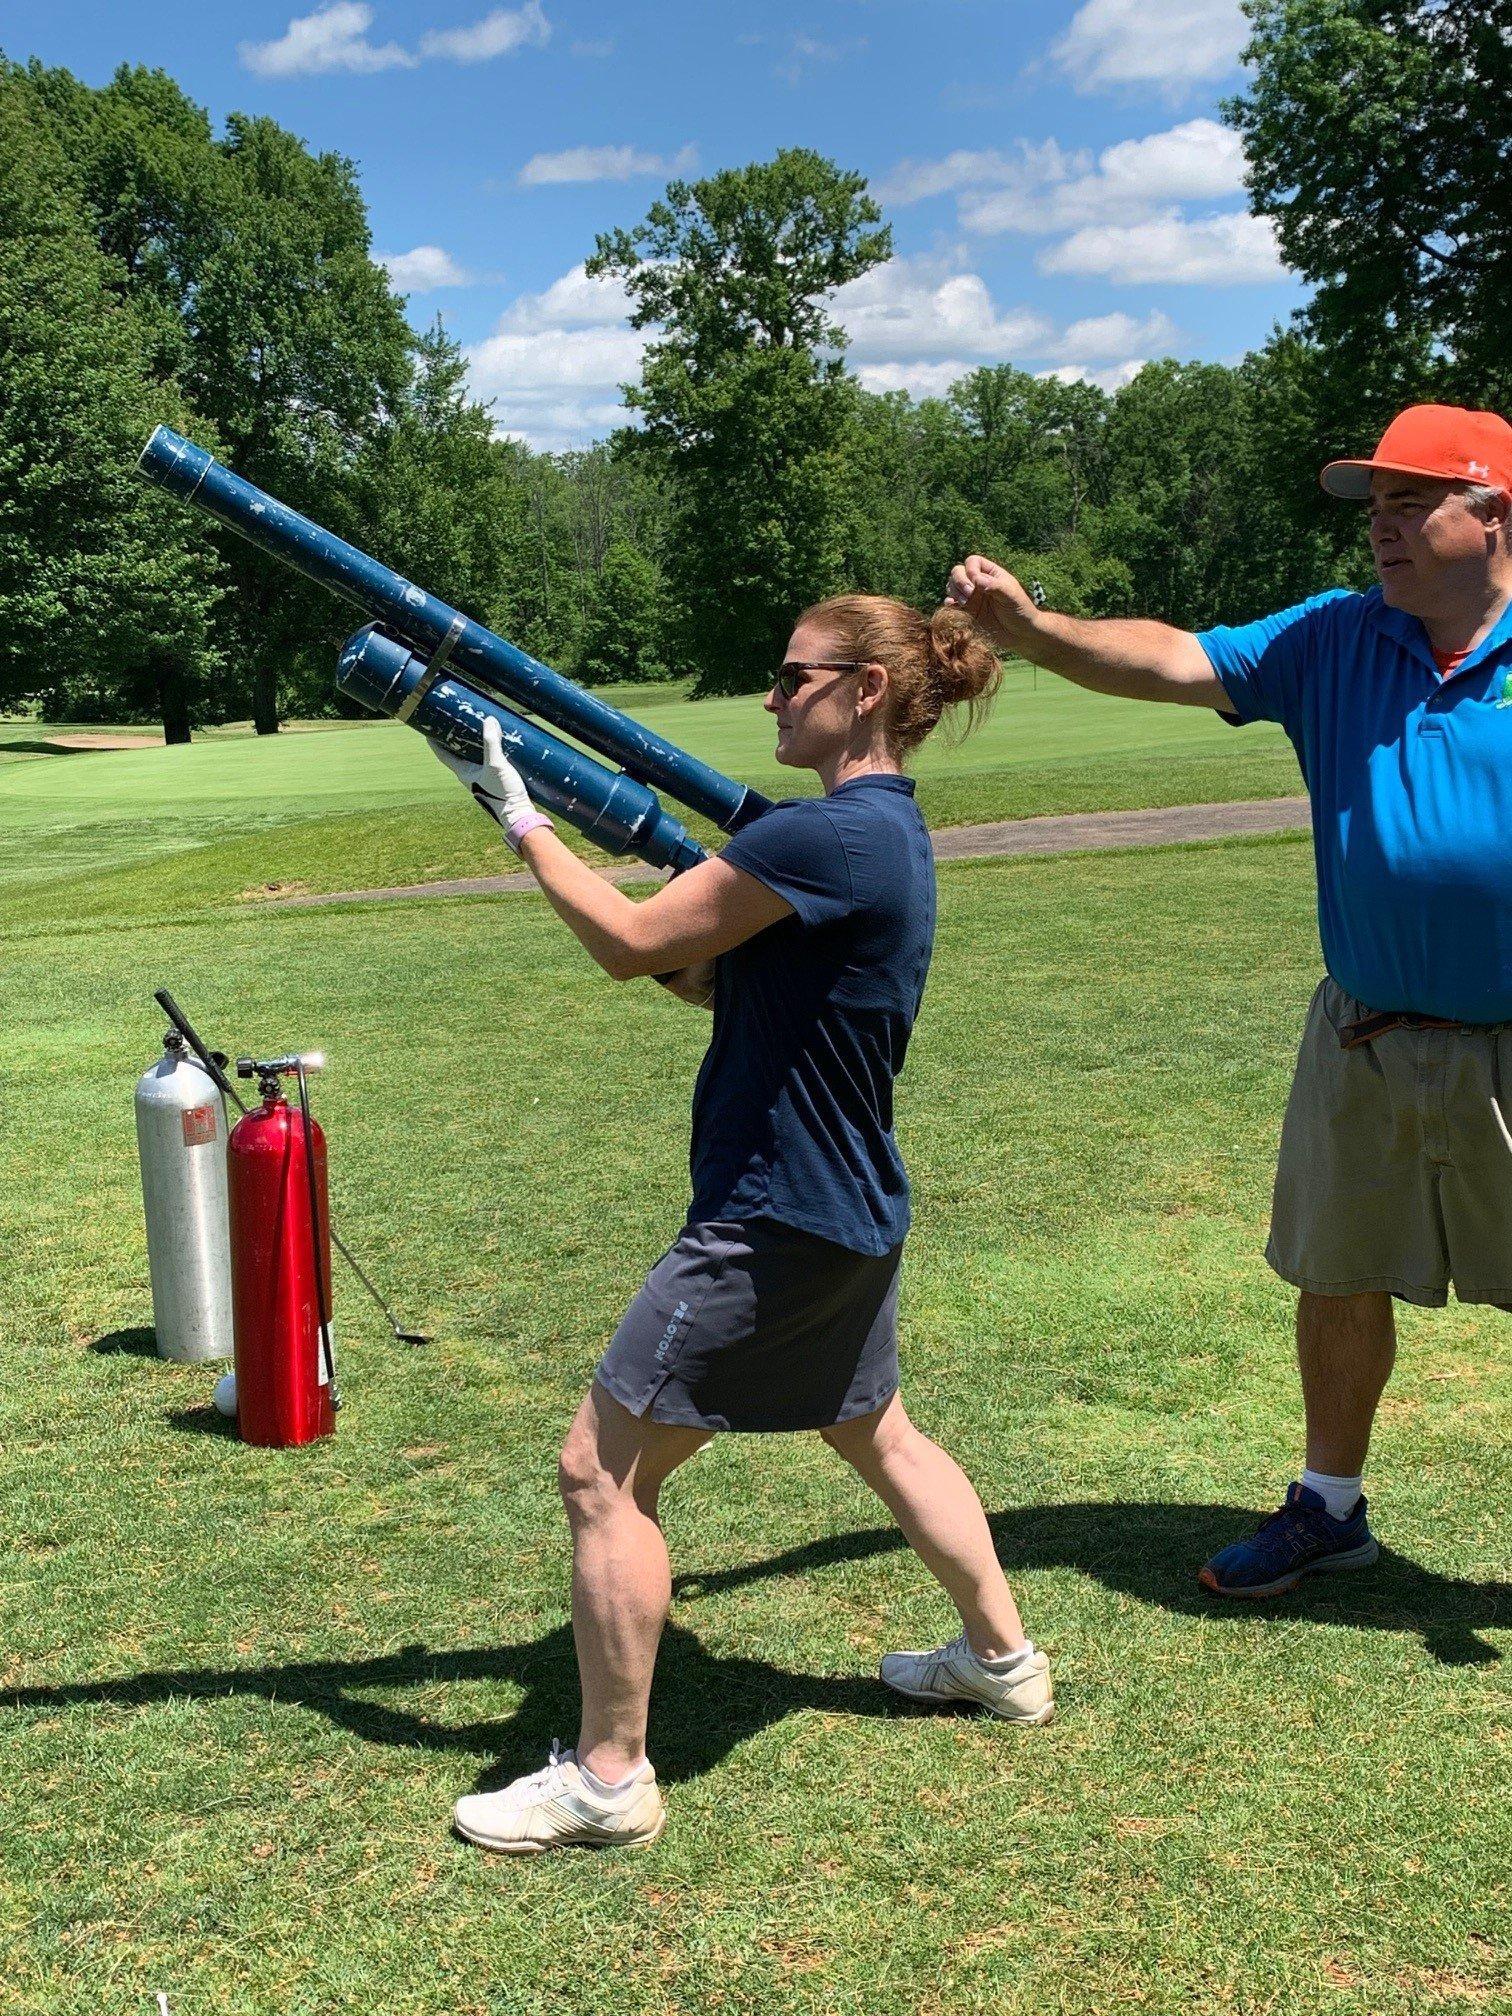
(1129, 657)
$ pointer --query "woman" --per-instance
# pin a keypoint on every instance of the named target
(776, 1308)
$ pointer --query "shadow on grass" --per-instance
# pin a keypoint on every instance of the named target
(138, 1343)
(1153, 1552)
(703, 1707)
(202, 1421)
(44, 748)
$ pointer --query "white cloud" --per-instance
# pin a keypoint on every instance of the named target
(1123, 214)
(556, 360)
(546, 363)
(1030, 164)
(1216, 251)
(336, 38)
(917, 309)
(573, 302)
(332, 38)
(917, 326)
(604, 164)
(424, 267)
(555, 388)
(497, 34)
(1102, 336)
(1042, 186)
(1199, 159)
(1167, 44)
(919, 379)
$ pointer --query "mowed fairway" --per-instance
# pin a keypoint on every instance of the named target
(343, 806)
(240, 1689)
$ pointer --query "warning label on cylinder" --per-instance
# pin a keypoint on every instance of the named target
(199, 1126)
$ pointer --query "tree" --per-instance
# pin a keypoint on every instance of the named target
(103, 585)
(621, 642)
(253, 256)
(1179, 492)
(743, 394)
(1033, 452)
(909, 518)
(1379, 138)
(439, 495)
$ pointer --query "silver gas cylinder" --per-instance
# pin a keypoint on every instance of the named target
(181, 1139)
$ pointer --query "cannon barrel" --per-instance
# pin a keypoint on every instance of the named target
(614, 811)
(482, 660)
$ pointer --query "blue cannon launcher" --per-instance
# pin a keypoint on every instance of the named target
(425, 663)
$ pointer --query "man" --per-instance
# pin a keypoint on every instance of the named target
(1395, 1172)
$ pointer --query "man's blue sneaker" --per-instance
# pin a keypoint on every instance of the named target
(1298, 1540)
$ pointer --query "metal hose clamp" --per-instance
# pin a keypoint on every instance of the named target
(433, 670)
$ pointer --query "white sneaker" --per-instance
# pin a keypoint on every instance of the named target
(554, 1808)
(1018, 1693)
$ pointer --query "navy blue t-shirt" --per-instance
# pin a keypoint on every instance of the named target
(792, 1112)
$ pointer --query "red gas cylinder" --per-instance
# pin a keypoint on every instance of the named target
(280, 1280)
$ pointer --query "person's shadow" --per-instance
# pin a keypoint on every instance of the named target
(704, 1707)
(1153, 1551)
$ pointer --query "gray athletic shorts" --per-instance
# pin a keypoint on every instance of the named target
(751, 1325)
(1396, 1165)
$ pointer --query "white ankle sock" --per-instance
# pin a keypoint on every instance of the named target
(1008, 1660)
(1340, 1495)
(606, 1791)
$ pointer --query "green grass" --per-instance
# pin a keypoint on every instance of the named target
(239, 1689)
(368, 807)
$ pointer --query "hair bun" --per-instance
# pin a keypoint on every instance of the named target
(965, 666)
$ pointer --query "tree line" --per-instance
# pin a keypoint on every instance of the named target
(155, 270)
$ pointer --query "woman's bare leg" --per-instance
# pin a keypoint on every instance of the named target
(941, 1518)
(613, 1466)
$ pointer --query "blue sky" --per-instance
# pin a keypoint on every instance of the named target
(1061, 193)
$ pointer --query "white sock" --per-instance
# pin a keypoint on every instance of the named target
(1008, 1660)
(1340, 1495)
(605, 1791)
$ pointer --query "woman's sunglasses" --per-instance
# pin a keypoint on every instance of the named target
(789, 677)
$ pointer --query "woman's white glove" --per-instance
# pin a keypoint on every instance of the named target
(497, 785)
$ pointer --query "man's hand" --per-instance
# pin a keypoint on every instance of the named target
(1129, 657)
(995, 600)
(495, 783)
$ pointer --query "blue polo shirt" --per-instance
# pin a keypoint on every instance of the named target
(1410, 777)
(793, 1110)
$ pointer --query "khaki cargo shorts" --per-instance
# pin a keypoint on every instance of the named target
(1396, 1164)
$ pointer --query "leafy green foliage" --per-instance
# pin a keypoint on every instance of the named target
(748, 258)
(1379, 138)
(621, 632)
(103, 587)
(224, 283)
(437, 498)
(742, 395)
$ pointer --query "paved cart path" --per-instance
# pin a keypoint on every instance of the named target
(1069, 833)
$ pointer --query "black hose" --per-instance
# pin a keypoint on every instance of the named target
(192, 1037)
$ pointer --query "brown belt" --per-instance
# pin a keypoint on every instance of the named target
(1367, 1027)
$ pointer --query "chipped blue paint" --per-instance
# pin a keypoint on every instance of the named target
(484, 660)
(616, 813)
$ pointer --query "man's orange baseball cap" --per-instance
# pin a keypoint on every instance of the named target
(1454, 444)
